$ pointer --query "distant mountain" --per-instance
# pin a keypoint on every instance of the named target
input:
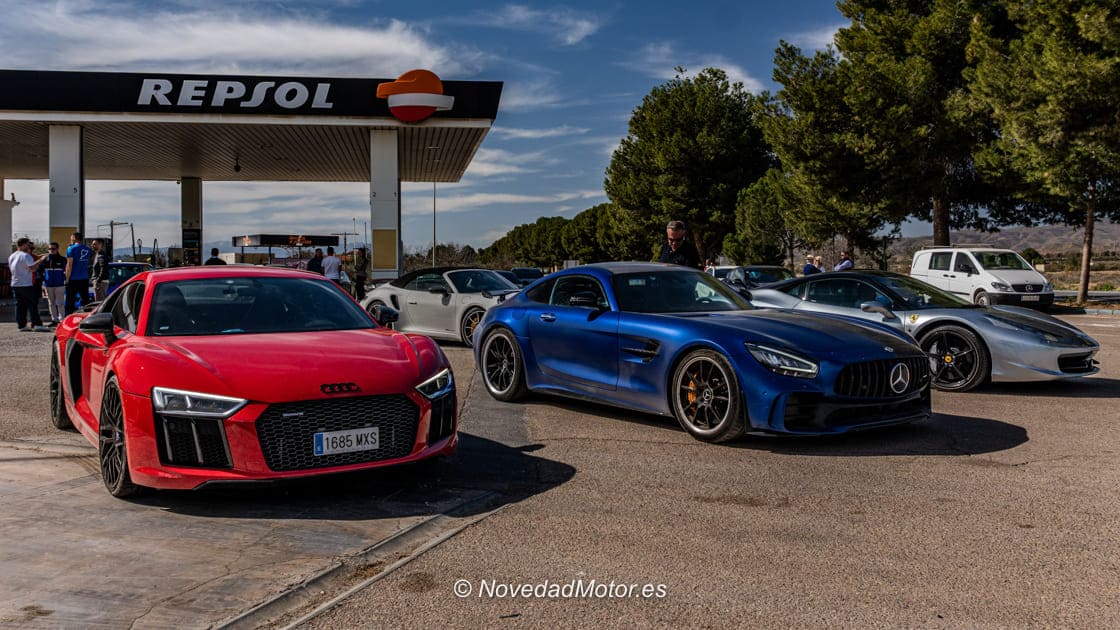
(1047, 240)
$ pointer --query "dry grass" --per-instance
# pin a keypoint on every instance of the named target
(1098, 280)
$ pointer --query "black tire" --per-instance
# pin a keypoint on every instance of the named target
(706, 398)
(111, 453)
(467, 325)
(60, 418)
(503, 369)
(982, 298)
(958, 360)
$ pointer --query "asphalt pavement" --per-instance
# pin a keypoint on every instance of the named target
(1002, 511)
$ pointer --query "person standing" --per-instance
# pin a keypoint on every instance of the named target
(315, 263)
(809, 268)
(77, 272)
(22, 265)
(845, 262)
(677, 249)
(332, 265)
(54, 283)
(361, 273)
(98, 271)
(213, 259)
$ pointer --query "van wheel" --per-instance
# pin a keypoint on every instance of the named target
(982, 298)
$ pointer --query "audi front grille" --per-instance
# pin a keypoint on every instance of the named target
(286, 431)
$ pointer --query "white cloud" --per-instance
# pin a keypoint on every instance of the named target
(568, 26)
(660, 60)
(133, 37)
(816, 39)
(535, 134)
(475, 201)
(529, 95)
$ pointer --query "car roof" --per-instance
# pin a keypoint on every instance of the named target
(173, 274)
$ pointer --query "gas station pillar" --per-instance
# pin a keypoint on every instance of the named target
(190, 191)
(67, 208)
(384, 204)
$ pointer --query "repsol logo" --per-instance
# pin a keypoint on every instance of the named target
(225, 93)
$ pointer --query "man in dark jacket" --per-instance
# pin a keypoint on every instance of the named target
(54, 283)
(214, 259)
(677, 249)
(98, 271)
(315, 263)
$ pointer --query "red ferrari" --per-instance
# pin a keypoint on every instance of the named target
(190, 376)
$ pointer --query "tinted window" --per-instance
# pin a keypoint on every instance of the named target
(479, 280)
(940, 261)
(964, 263)
(126, 308)
(542, 292)
(843, 292)
(427, 281)
(568, 286)
(120, 273)
(673, 291)
(224, 306)
(528, 273)
(775, 274)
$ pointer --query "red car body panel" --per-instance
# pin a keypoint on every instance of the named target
(264, 369)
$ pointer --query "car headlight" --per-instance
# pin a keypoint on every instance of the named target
(176, 402)
(437, 386)
(1048, 288)
(999, 286)
(783, 361)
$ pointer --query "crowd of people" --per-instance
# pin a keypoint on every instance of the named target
(678, 250)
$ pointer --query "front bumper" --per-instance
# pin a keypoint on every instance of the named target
(1030, 300)
(261, 443)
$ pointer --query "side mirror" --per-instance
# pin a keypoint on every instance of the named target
(385, 315)
(99, 324)
(584, 299)
(875, 307)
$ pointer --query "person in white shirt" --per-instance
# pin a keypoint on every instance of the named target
(332, 265)
(23, 264)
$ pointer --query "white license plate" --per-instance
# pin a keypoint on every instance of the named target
(1030, 298)
(350, 441)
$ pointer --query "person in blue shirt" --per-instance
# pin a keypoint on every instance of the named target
(54, 283)
(78, 258)
(809, 268)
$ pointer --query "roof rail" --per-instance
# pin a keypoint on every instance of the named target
(964, 246)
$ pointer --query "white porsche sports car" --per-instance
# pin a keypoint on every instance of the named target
(442, 302)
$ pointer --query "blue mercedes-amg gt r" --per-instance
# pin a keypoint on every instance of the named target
(673, 341)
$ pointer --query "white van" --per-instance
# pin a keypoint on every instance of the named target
(983, 275)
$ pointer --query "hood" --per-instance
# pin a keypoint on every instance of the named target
(1040, 321)
(1019, 276)
(818, 335)
(280, 367)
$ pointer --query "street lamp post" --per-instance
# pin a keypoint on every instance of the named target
(433, 224)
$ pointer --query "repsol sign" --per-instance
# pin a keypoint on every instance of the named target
(224, 93)
(245, 95)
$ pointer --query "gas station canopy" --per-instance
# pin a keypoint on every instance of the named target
(168, 126)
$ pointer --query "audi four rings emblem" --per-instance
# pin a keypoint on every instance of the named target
(339, 388)
(900, 378)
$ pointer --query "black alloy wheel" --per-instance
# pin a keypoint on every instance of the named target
(502, 368)
(706, 397)
(112, 454)
(60, 418)
(466, 327)
(958, 361)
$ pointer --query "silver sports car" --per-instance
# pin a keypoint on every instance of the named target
(967, 344)
(441, 302)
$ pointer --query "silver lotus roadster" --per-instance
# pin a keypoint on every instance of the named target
(967, 344)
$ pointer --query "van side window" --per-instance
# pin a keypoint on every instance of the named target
(964, 264)
(940, 261)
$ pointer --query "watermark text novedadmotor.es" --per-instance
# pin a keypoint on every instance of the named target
(548, 589)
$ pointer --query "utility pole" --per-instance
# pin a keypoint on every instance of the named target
(433, 224)
(344, 235)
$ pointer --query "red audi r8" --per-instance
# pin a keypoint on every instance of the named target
(190, 376)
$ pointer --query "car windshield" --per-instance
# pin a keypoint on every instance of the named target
(120, 273)
(920, 295)
(769, 274)
(675, 291)
(1001, 260)
(228, 306)
(721, 272)
(479, 280)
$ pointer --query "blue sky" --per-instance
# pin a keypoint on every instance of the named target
(573, 73)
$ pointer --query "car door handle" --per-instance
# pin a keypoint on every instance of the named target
(548, 317)
(410, 302)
